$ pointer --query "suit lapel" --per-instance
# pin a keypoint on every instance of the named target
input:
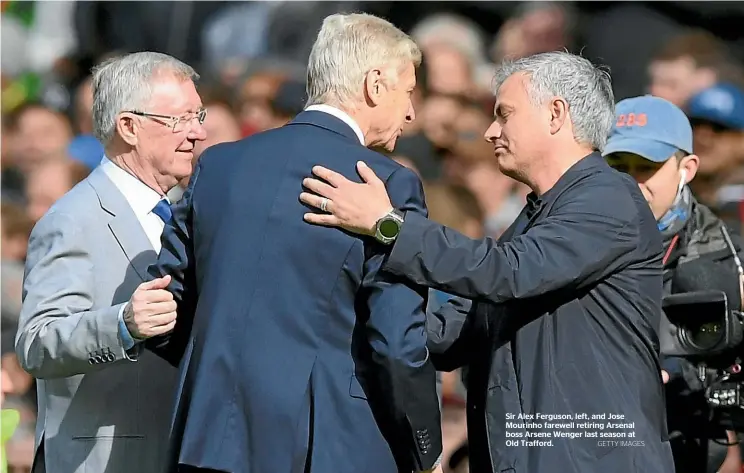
(124, 224)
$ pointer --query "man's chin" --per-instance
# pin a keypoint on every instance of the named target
(390, 145)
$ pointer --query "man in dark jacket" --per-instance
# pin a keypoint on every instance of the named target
(561, 340)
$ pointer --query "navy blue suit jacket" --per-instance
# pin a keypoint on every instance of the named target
(295, 354)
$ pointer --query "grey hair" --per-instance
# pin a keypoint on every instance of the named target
(586, 88)
(124, 83)
(347, 48)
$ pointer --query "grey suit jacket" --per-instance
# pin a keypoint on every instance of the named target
(101, 410)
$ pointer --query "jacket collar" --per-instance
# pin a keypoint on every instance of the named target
(325, 121)
(581, 168)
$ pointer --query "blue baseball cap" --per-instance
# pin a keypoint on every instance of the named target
(722, 104)
(650, 127)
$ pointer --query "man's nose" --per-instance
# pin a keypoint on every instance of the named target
(493, 132)
(411, 115)
(198, 132)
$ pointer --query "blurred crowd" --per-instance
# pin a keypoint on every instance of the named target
(251, 57)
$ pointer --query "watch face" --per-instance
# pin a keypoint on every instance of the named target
(389, 228)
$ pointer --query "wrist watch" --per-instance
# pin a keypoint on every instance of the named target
(388, 227)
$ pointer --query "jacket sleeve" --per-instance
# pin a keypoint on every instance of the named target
(396, 331)
(450, 334)
(59, 332)
(577, 244)
(177, 259)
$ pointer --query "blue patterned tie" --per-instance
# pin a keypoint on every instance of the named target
(163, 210)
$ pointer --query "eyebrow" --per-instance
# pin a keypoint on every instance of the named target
(500, 108)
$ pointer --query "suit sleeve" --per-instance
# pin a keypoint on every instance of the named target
(450, 334)
(396, 331)
(176, 258)
(60, 334)
(579, 243)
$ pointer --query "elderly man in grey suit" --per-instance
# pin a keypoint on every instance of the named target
(104, 403)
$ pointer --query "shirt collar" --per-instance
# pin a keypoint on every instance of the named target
(141, 197)
(341, 115)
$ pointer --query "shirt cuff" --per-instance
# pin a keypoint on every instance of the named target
(126, 338)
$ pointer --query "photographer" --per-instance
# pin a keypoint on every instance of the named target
(652, 141)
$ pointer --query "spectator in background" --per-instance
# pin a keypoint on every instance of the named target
(15, 226)
(438, 116)
(536, 27)
(289, 101)
(447, 34)
(39, 134)
(449, 71)
(9, 418)
(222, 125)
(83, 111)
(688, 64)
(717, 118)
(49, 181)
(254, 100)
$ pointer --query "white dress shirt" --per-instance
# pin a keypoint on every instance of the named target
(341, 115)
(141, 198)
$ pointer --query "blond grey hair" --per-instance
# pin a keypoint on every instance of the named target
(347, 48)
(125, 83)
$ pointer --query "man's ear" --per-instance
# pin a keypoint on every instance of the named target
(373, 86)
(127, 127)
(690, 165)
(558, 114)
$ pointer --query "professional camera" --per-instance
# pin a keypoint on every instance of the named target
(707, 333)
(703, 330)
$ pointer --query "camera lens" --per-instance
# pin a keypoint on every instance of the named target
(704, 337)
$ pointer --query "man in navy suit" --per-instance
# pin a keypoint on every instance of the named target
(295, 354)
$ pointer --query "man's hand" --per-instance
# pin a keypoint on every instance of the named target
(151, 310)
(664, 376)
(352, 206)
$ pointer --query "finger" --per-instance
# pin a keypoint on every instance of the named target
(161, 329)
(329, 176)
(315, 201)
(158, 283)
(162, 319)
(367, 173)
(664, 376)
(323, 219)
(155, 309)
(318, 187)
(157, 295)
(166, 328)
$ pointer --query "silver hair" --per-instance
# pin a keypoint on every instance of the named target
(124, 83)
(585, 87)
(347, 48)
